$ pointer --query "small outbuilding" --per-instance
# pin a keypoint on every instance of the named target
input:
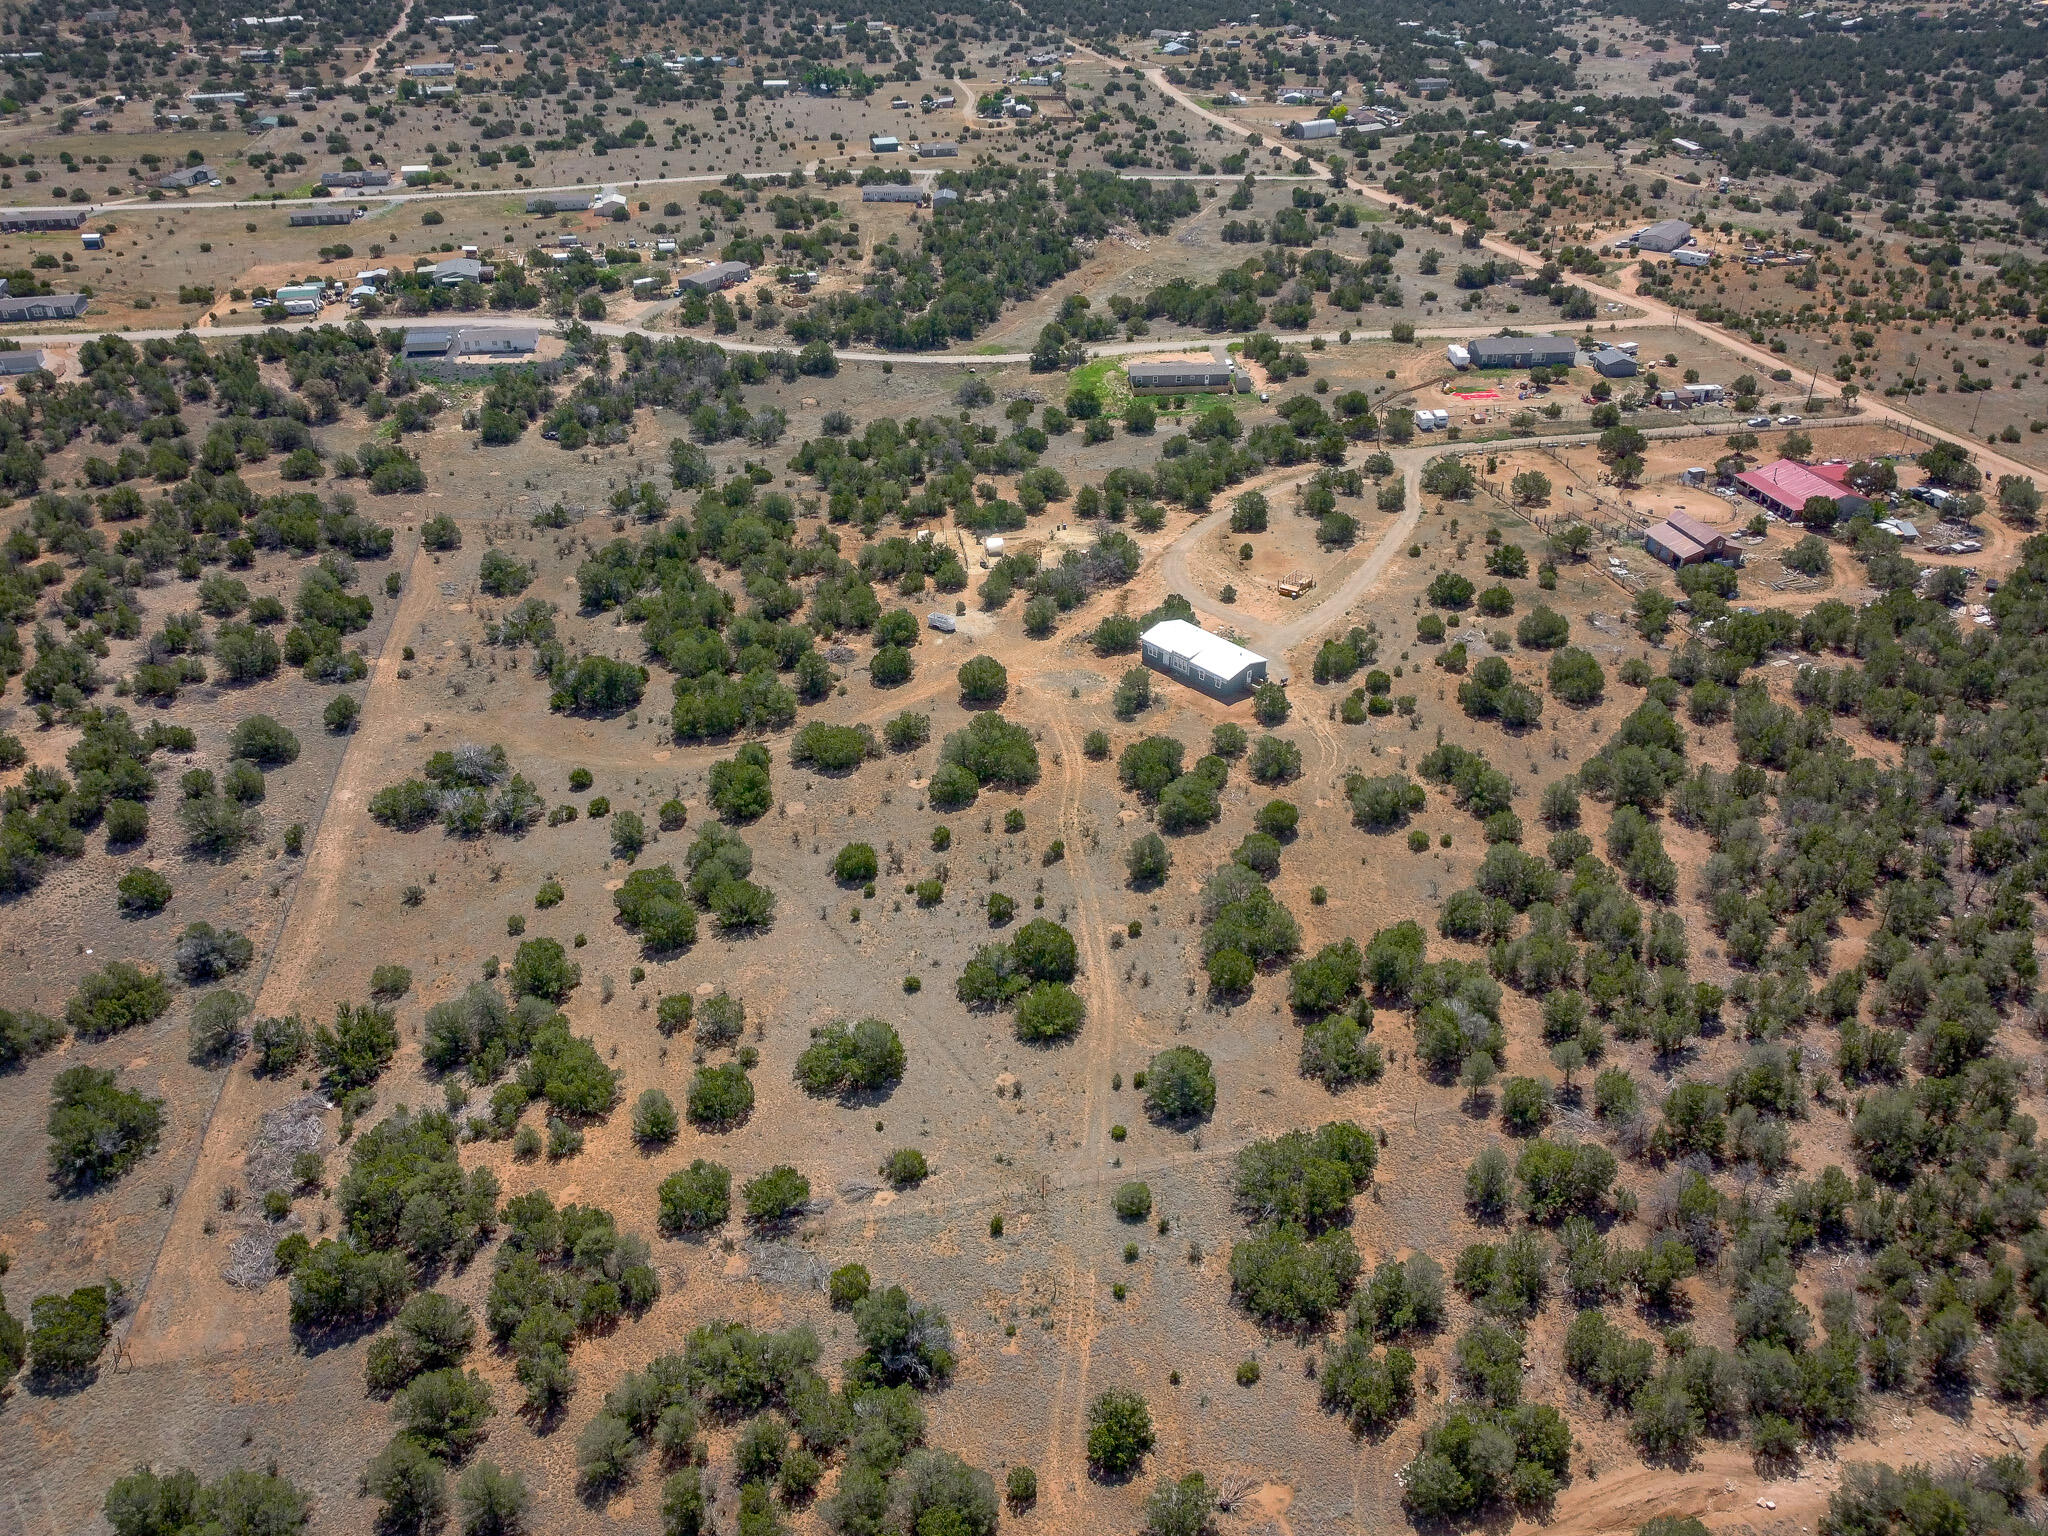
(1684, 540)
(1613, 363)
(1190, 654)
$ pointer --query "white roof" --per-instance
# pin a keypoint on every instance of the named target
(1212, 653)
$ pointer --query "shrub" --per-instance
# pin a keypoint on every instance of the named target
(1050, 1011)
(776, 1195)
(1278, 819)
(145, 1504)
(127, 823)
(890, 665)
(1449, 590)
(263, 741)
(443, 1412)
(432, 1332)
(855, 864)
(1180, 1084)
(1370, 1390)
(721, 1097)
(492, 1502)
(143, 892)
(215, 1028)
(1286, 1279)
(341, 713)
(411, 1484)
(1119, 1434)
(740, 790)
(1274, 761)
(1542, 628)
(598, 685)
(541, 968)
(905, 1166)
(204, 953)
(1269, 705)
(1558, 1179)
(1576, 677)
(1477, 1458)
(849, 1283)
(1385, 803)
(25, 1035)
(1180, 1508)
(907, 732)
(695, 1199)
(217, 827)
(847, 1059)
(280, 1044)
(1149, 765)
(115, 998)
(67, 1334)
(1303, 1179)
(337, 1285)
(97, 1131)
(1132, 1201)
(983, 680)
(654, 1119)
(992, 751)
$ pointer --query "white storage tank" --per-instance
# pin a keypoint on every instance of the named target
(992, 546)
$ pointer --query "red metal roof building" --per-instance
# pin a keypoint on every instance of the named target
(1785, 487)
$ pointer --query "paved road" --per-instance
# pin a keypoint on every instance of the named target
(617, 328)
(1655, 312)
(400, 195)
(1651, 312)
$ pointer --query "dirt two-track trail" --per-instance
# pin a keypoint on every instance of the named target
(185, 1309)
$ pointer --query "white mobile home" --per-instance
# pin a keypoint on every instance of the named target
(1201, 660)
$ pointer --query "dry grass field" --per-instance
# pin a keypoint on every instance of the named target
(1725, 878)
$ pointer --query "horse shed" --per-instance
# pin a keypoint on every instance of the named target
(1192, 655)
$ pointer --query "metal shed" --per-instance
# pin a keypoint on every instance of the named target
(1665, 235)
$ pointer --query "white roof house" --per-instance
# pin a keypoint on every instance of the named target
(1194, 656)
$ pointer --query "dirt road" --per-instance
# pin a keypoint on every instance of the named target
(185, 1307)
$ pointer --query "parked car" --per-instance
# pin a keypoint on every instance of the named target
(1758, 421)
(1788, 421)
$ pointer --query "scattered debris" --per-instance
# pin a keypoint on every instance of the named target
(281, 1135)
(252, 1256)
(783, 1264)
